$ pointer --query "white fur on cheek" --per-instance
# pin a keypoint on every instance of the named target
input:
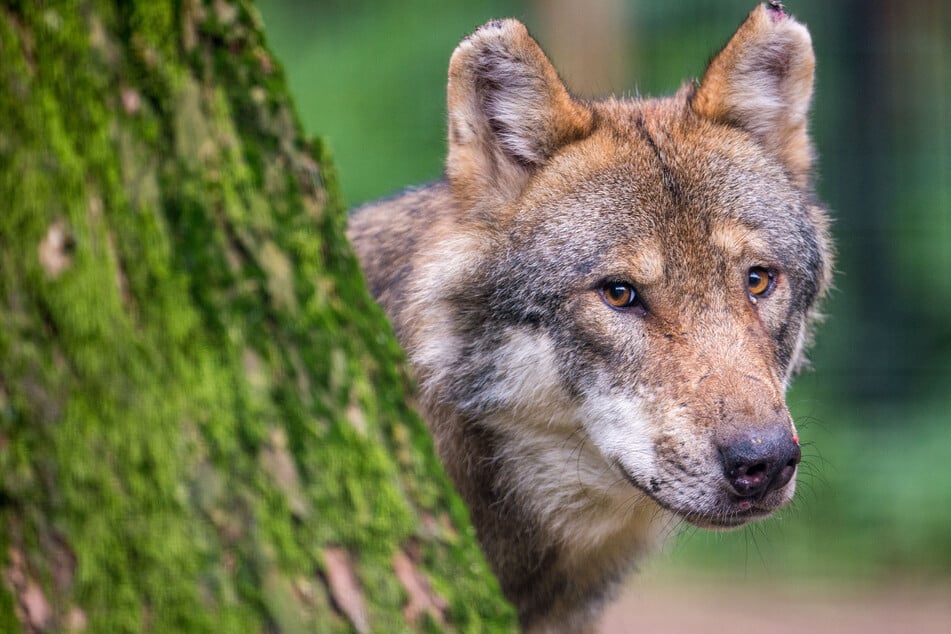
(619, 426)
(563, 473)
(528, 384)
(581, 500)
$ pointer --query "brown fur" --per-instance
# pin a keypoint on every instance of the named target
(581, 435)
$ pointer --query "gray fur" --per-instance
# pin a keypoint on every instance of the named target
(580, 435)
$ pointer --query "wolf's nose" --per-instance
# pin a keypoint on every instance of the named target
(761, 461)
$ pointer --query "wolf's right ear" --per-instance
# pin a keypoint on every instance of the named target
(508, 112)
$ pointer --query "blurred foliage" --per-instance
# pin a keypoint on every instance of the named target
(875, 488)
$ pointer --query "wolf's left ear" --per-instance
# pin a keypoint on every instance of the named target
(762, 82)
(508, 112)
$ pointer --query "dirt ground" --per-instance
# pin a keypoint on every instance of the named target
(761, 606)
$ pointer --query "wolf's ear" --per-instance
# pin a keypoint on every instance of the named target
(508, 112)
(762, 82)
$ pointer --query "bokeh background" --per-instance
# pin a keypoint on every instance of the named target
(873, 513)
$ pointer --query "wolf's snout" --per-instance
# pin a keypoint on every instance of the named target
(761, 461)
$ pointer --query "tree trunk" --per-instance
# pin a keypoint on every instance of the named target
(203, 425)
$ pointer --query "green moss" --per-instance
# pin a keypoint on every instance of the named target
(209, 299)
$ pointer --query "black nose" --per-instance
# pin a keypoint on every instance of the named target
(761, 461)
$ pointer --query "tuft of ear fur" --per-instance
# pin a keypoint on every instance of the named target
(762, 82)
(508, 112)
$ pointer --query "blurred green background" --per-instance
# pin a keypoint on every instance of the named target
(875, 413)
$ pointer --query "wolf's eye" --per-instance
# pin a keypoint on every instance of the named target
(759, 281)
(620, 295)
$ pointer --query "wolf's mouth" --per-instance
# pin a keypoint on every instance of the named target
(727, 514)
(726, 520)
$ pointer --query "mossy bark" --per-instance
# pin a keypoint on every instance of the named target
(203, 424)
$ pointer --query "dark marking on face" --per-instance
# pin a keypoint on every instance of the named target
(786, 338)
(585, 267)
(670, 183)
(804, 264)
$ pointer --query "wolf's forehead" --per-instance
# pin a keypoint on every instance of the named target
(661, 186)
(622, 216)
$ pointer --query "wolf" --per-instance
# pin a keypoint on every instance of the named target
(604, 303)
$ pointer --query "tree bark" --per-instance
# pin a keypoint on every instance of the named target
(203, 423)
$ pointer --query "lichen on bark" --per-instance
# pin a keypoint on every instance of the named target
(198, 400)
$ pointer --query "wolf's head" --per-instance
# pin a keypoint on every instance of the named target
(636, 275)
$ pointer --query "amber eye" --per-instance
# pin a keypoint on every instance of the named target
(759, 281)
(620, 295)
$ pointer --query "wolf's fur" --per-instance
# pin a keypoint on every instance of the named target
(580, 434)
